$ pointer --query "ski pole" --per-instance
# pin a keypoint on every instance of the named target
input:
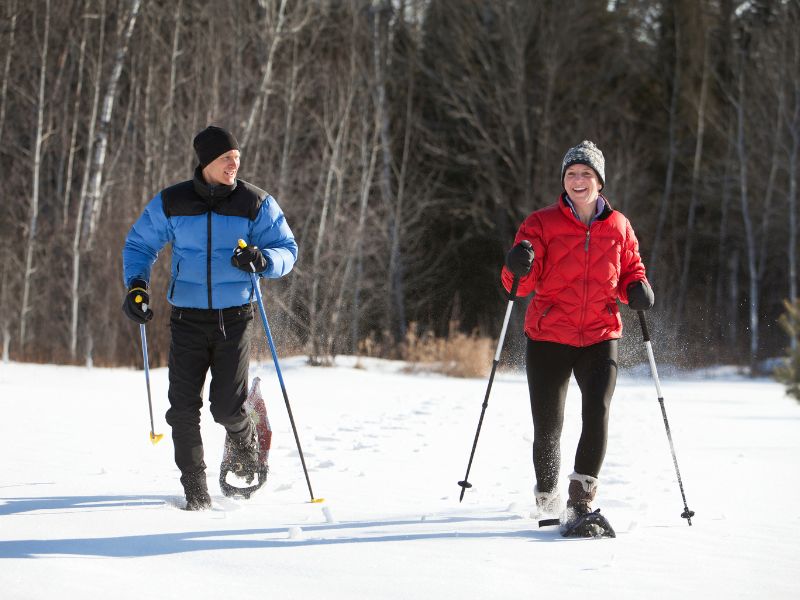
(466, 484)
(154, 437)
(265, 323)
(686, 514)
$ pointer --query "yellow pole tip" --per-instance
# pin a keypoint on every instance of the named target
(317, 500)
(156, 437)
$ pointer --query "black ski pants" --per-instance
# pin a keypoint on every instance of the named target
(218, 340)
(549, 366)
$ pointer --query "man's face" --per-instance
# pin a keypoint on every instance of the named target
(222, 170)
(581, 183)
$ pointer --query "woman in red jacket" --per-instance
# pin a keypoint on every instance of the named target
(582, 256)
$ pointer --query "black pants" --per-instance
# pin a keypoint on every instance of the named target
(201, 340)
(549, 366)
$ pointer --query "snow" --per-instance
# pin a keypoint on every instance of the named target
(89, 506)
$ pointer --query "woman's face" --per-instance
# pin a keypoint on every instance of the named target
(582, 184)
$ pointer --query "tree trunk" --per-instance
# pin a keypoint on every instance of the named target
(794, 157)
(169, 106)
(672, 151)
(396, 313)
(73, 137)
(683, 286)
(95, 201)
(33, 217)
(12, 29)
(265, 89)
(752, 272)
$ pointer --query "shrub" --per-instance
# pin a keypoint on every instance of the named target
(457, 355)
(789, 372)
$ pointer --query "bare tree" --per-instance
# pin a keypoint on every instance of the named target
(30, 246)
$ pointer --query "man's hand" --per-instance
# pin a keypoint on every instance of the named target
(136, 302)
(520, 259)
(249, 259)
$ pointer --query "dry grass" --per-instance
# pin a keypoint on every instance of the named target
(457, 355)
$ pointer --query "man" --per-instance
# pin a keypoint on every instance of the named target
(210, 291)
(579, 256)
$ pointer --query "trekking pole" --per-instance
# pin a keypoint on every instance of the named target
(465, 484)
(265, 323)
(686, 514)
(154, 437)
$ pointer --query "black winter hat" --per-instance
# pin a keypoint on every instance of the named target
(213, 142)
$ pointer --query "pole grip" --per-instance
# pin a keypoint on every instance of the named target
(513, 293)
(643, 323)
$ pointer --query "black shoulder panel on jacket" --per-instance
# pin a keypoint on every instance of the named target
(244, 201)
(180, 200)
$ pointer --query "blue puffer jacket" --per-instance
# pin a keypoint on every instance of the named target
(203, 224)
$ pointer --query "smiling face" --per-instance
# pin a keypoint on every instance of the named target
(582, 184)
(223, 169)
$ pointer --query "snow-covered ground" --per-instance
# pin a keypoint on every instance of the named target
(89, 508)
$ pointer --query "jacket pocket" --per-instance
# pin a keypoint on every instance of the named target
(174, 279)
(613, 314)
(541, 317)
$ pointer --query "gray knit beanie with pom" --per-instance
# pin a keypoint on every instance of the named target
(585, 153)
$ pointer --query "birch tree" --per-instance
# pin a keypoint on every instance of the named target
(30, 246)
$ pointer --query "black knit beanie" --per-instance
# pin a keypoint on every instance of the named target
(213, 142)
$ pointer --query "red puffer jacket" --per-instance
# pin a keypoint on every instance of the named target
(578, 273)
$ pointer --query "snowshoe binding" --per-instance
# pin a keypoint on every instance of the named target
(589, 524)
(246, 459)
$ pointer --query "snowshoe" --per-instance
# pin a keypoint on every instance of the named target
(587, 525)
(247, 459)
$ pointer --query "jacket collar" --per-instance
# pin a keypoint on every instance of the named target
(210, 193)
(567, 207)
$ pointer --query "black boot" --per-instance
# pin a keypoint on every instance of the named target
(196, 491)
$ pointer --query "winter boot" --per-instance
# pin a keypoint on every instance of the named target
(582, 490)
(548, 503)
(196, 491)
(579, 520)
(241, 453)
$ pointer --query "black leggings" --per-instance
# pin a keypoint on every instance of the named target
(549, 366)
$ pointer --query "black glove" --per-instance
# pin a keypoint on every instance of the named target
(640, 296)
(520, 258)
(249, 259)
(136, 302)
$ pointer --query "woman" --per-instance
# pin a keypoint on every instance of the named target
(579, 256)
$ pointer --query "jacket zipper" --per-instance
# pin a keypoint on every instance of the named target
(585, 283)
(208, 259)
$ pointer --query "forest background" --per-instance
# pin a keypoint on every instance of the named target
(405, 140)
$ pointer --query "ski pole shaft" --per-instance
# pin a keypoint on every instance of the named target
(687, 514)
(265, 323)
(154, 437)
(465, 483)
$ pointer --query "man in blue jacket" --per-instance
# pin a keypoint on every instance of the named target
(210, 291)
